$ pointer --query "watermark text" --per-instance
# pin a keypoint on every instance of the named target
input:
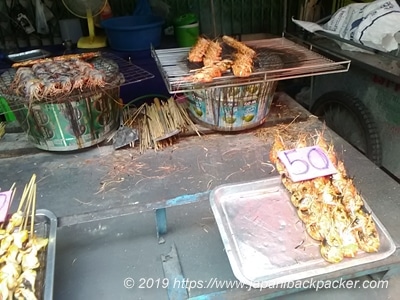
(215, 283)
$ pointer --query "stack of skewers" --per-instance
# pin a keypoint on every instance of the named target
(158, 123)
(20, 248)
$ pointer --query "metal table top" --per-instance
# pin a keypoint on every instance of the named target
(104, 201)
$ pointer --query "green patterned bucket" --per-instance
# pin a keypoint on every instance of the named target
(80, 122)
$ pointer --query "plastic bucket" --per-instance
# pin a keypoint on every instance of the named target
(186, 35)
(77, 123)
(186, 29)
(133, 33)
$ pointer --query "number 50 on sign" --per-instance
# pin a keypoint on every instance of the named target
(306, 163)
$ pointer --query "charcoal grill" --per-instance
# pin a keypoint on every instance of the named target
(230, 103)
(79, 119)
(276, 59)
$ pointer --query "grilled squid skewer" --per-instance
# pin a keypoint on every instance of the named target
(197, 52)
(208, 73)
(213, 53)
(239, 46)
(242, 65)
(243, 59)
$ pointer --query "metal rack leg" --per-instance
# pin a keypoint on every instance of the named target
(161, 214)
(161, 221)
(177, 289)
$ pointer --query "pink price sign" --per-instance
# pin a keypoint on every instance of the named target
(5, 199)
(306, 163)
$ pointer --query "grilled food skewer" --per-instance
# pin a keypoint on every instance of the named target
(31, 62)
(19, 249)
(330, 207)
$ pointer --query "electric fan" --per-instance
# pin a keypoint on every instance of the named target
(88, 9)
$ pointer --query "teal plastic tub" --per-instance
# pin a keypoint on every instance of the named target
(133, 33)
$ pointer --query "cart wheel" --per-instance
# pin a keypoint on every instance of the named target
(351, 119)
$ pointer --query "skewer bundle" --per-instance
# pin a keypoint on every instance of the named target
(19, 248)
(154, 123)
(330, 207)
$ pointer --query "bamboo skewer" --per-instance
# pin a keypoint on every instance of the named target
(27, 208)
(33, 211)
(23, 197)
(13, 190)
(27, 205)
(26, 190)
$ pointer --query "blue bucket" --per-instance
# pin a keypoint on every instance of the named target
(133, 33)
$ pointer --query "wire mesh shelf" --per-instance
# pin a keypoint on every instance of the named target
(132, 73)
(276, 59)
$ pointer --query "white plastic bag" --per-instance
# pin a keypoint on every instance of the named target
(41, 22)
(372, 24)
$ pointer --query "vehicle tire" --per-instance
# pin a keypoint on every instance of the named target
(350, 119)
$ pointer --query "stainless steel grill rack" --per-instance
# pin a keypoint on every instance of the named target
(132, 73)
(277, 59)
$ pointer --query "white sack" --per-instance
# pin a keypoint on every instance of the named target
(372, 24)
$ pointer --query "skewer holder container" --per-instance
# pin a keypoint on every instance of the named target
(232, 108)
(78, 122)
(72, 120)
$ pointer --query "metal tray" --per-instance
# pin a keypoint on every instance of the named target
(265, 240)
(27, 55)
(46, 226)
